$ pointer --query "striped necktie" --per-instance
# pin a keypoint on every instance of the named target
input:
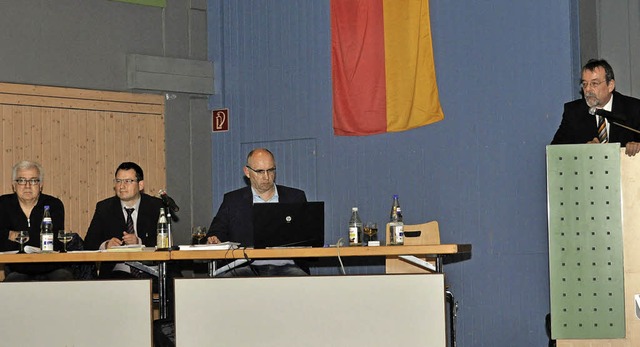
(130, 228)
(602, 130)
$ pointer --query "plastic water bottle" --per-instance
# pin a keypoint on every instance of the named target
(162, 238)
(396, 226)
(355, 228)
(46, 231)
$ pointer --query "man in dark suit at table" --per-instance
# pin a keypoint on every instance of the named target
(234, 221)
(128, 218)
(598, 89)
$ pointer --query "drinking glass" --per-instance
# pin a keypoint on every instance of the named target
(197, 234)
(370, 233)
(64, 236)
(22, 238)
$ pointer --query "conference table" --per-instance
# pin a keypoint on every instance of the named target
(437, 251)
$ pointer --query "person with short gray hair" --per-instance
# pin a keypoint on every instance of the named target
(23, 210)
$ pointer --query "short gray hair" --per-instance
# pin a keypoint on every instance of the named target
(26, 165)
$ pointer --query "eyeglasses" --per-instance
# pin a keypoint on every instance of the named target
(262, 172)
(23, 181)
(126, 181)
(592, 84)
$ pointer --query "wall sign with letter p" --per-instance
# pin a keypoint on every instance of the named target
(220, 120)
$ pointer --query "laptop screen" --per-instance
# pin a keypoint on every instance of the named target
(288, 224)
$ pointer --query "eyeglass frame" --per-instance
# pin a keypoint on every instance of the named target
(593, 84)
(125, 181)
(270, 171)
(23, 181)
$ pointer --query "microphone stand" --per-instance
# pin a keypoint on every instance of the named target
(169, 231)
(169, 234)
(594, 112)
(624, 126)
(162, 266)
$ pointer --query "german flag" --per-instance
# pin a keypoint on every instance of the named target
(383, 72)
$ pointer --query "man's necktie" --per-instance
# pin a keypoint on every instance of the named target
(134, 272)
(602, 130)
(130, 228)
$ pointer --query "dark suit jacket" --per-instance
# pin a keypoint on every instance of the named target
(109, 221)
(578, 126)
(234, 220)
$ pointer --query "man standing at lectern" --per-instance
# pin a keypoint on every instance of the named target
(580, 125)
(598, 90)
(233, 222)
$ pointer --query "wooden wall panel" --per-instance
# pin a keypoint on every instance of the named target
(80, 137)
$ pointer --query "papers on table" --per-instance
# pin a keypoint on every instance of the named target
(125, 248)
(31, 249)
(210, 247)
(137, 248)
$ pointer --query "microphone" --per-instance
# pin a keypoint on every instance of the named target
(168, 201)
(607, 114)
(612, 117)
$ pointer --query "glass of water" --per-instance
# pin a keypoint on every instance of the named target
(64, 236)
(22, 238)
(197, 234)
(370, 233)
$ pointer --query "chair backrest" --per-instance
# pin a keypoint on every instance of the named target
(414, 234)
(420, 234)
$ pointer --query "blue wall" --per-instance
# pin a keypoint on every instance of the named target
(504, 70)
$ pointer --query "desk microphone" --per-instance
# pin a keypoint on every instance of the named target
(168, 201)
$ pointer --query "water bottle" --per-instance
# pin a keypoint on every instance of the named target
(46, 231)
(396, 226)
(355, 228)
(162, 238)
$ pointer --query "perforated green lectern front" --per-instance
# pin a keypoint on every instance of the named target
(585, 241)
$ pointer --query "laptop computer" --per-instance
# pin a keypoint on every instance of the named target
(288, 224)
